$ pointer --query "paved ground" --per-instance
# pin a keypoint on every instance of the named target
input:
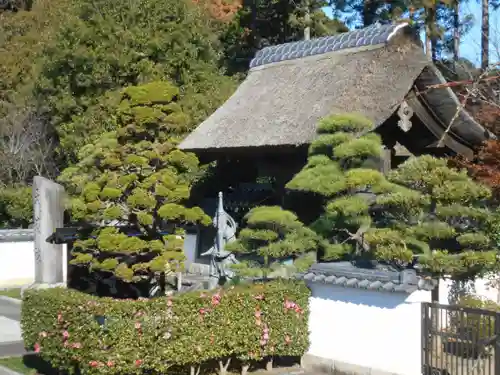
(10, 329)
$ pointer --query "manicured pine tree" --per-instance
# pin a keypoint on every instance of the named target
(135, 176)
(271, 235)
(343, 169)
(440, 215)
(423, 210)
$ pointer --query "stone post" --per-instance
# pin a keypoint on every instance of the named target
(48, 214)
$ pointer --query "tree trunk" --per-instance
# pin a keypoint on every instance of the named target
(485, 35)
(194, 370)
(369, 11)
(269, 364)
(456, 31)
(224, 366)
(428, 41)
(244, 369)
(307, 21)
(431, 35)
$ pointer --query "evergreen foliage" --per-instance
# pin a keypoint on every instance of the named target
(79, 333)
(423, 209)
(135, 176)
(342, 169)
(272, 234)
(251, 29)
(122, 44)
(441, 215)
(16, 206)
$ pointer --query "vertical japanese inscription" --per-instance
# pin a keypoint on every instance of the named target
(36, 229)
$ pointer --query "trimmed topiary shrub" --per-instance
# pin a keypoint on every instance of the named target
(135, 177)
(75, 331)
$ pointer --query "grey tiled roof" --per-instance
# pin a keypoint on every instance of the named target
(347, 275)
(369, 36)
(16, 235)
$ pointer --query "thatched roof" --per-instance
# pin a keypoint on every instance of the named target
(291, 86)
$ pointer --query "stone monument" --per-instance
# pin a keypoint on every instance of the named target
(48, 214)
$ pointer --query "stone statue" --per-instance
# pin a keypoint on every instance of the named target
(221, 260)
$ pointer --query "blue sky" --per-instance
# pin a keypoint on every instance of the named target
(471, 43)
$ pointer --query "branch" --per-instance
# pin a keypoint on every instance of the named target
(460, 83)
(460, 108)
(359, 237)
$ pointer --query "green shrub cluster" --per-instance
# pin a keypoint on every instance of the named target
(72, 330)
(273, 234)
(474, 324)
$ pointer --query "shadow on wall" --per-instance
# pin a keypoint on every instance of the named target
(382, 300)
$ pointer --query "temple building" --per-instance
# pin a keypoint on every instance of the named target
(380, 72)
(260, 135)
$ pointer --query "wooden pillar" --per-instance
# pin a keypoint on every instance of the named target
(385, 162)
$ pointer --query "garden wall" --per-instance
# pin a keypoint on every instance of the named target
(17, 257)
(361, 331)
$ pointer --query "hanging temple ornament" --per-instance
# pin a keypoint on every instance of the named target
(405, 113)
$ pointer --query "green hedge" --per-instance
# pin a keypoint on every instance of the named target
(73, 330)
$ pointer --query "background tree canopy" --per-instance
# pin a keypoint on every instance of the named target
(103, 46)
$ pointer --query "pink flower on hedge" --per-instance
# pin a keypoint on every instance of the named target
(110, 363)
(259, 297)
(265, 330)
(298, 310)
(76, 345)
(137, 325)
(65, 335)
(37, 348)
(290, 304)
(263, 342)
(257, 313)
(138, 362)
(93, 363)
(43, 334)
(258, 322)
(216, 299)
(288, 340)
(266, 336)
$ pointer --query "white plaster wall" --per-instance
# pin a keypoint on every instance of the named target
(17, 263)
(378, 330)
